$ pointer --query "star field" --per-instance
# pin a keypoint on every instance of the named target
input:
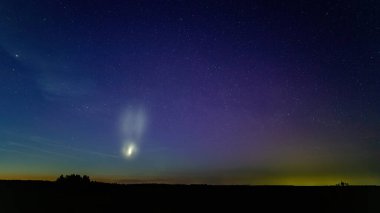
(221, 92)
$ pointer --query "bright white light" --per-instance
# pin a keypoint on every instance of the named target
(129, 150)
(132, 127)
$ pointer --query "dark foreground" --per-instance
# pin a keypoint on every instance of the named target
(41, 196)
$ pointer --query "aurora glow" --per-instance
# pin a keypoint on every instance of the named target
(223, 92)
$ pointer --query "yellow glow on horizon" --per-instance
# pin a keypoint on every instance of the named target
(270, 180)
(316, 180)
(27, 177)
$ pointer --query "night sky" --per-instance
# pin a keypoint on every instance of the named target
(221, 92)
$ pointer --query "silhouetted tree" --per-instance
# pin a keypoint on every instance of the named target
(60, 179)
(86, 179)
(73, 179)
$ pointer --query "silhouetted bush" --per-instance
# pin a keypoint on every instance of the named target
(73, 179)
(342, 184)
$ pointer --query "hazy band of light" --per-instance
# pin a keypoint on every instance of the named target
(268, 180)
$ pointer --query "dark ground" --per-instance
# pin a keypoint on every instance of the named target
(44, 196)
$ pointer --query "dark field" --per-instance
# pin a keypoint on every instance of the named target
(44, 196)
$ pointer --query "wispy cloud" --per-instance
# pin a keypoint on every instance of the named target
(23, 153)
(51, 74)
(58, 87)
(71, 148)
(41, 150)
(19, 142)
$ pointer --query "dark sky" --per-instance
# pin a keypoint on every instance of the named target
(222, 92)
